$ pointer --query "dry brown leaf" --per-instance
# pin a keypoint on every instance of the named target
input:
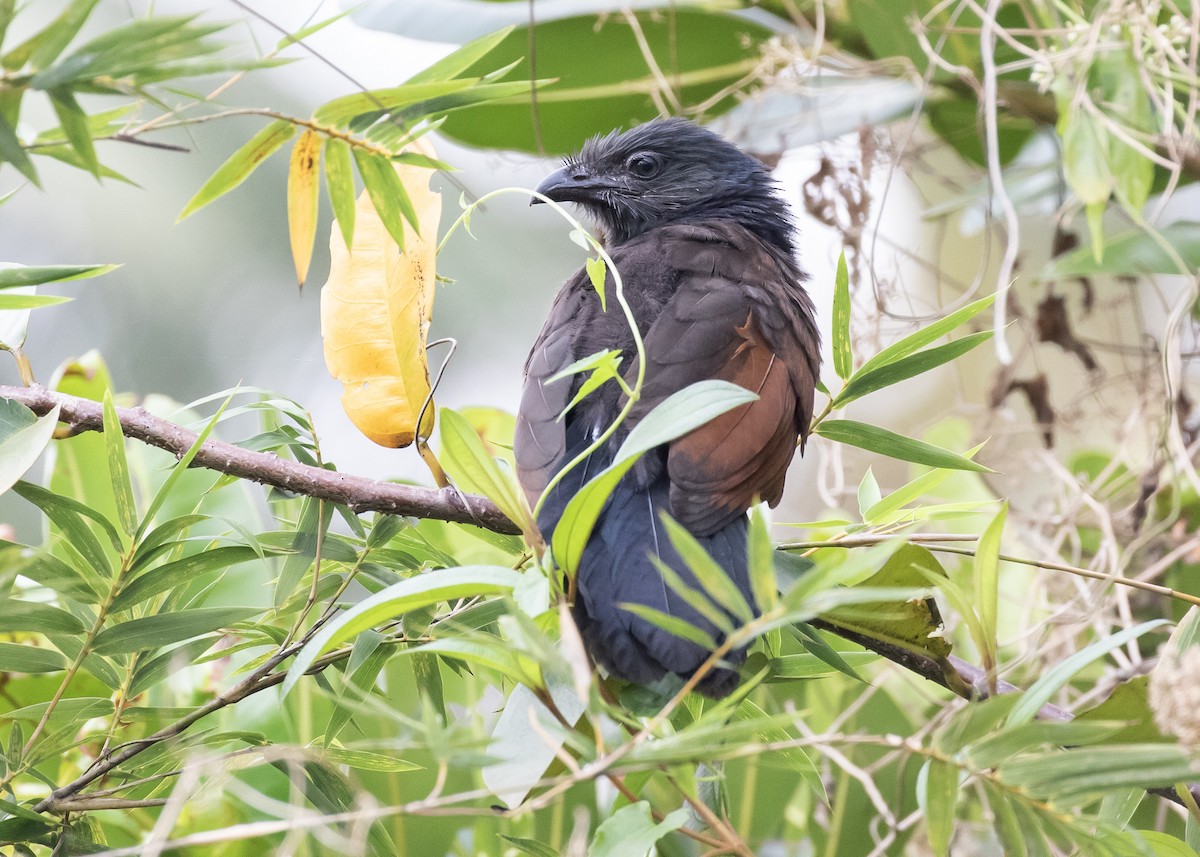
(375, 312)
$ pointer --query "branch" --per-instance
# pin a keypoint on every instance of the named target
(357, 492)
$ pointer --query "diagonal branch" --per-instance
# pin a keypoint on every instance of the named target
(357, 492)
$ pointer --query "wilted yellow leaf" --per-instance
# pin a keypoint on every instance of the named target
(302, 188)
(375, 311)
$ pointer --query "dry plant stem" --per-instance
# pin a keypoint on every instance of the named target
(357, 492)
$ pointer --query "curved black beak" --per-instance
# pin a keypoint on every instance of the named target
(569, 184)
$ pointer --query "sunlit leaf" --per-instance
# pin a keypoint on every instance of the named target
(241, 164)
(302, 186)
(884, 442)
(843, 357)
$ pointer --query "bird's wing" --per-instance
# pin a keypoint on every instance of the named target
(739, 315)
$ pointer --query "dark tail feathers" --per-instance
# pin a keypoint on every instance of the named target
(616, 569)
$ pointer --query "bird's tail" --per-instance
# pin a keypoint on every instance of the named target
(616, 569)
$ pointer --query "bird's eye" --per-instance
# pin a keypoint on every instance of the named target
(644, 166)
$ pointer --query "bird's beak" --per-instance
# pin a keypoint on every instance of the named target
(570, 184)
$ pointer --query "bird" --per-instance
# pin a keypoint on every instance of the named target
(704, 243)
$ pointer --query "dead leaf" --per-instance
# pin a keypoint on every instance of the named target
(375, 313)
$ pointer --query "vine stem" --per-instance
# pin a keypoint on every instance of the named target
(619, 292)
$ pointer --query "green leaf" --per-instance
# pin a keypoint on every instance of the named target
(631, 830)
(12, 152)
(708, 572)
(13, 302)
(39, 618)
(907, 367)
(68, 515)
(154, 632)
(529, 846)
(809, 666)
(884, 442)
(843, 356)
(74, 124)
(925, 336)
(1076, 773)
(761, 559)
(937, 794)
(151, 672)
(677, 415)
(34, 276)
(23, 658)
(456, 63)
(118, 466)
(596, 272)
(467, 461)
(705, 54)
(868, 493)
(364, 761)
(339, 179)
(671, 624)
(603, 366)
(1133, 253)
(424, 590)
(387, 194)
(241, 164)
(180, 572)
(44, 47)
(986, 568)
(23, 437)
(1045, 687)
(74, 709)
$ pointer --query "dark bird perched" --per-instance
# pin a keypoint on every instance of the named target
(704, 246)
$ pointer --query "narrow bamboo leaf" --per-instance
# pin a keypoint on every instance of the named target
(157, 669)
(13, 302)
(7, 12)
(367, 658)
(241, 164)
(38, 618)
(712, 577)
(843, 356)
(76, 709)
(473, 469)
(181, 571)
(761, 558)
(35, 276)
(302, 197)
(926, 336)
(699, 601)
(937, 792)
(68, 515)
(387, 194)
(27, 658)
(74, 123)
(485, 651)
(907, 367)
(884, 442)
(416, 159)
(912, 491)
(1005, 821)
(423, 590)
(302, 34)
(1045, 687)
(364, 761)
(530, 846)
(451, 66)
(44, 47)
(12, 152)
(339, 179)
(809, 666)
(987, 581)
(178, 470)
(671, 624)
(154, 632)
(362, 109)
(118, 466)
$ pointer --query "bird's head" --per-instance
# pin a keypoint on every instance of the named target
(669, 171)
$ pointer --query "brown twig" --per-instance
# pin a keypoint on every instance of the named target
(357, 492)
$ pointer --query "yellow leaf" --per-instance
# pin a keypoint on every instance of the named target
(375, 312)
(302, 188)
